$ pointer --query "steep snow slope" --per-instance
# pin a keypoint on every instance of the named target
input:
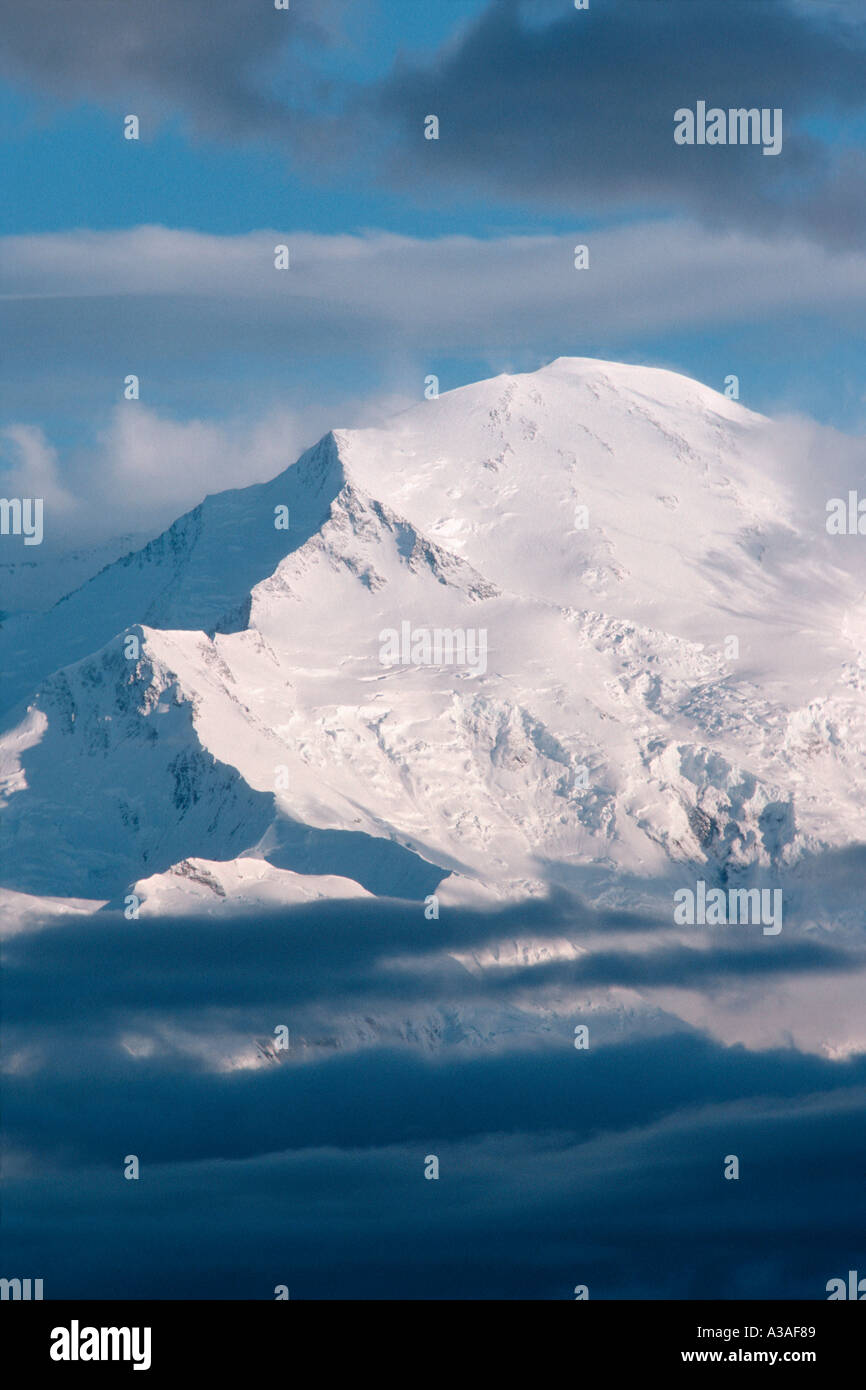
(609, 741)
(38, 577)
(198, 574)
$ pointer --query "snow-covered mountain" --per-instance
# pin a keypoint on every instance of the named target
(652, 668)
(40, 577)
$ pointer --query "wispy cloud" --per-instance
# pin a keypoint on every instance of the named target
(182, 306)
(434, 292)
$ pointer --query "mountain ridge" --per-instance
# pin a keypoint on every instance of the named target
(609, 733)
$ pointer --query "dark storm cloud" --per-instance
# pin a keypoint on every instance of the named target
(578, 112)
(558, 1166)
(290, 954)
(384, 1095)
(538, 103)
(200, 991)
(360, 956)
(526, 1213)
(208, 59)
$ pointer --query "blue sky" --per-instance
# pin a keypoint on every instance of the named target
(306, 127)
(66, 167)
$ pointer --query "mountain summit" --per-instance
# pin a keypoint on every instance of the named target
(554, 630)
